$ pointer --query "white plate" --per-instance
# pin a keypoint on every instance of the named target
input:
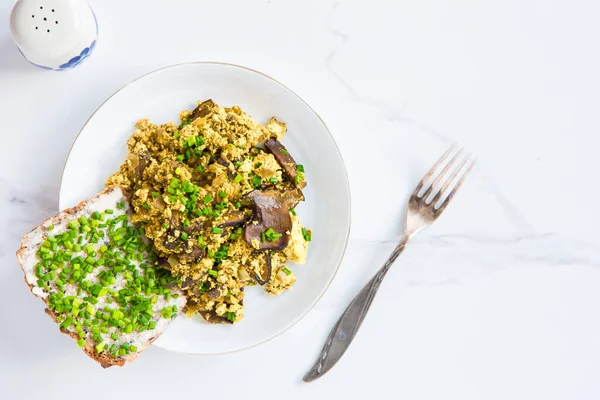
(100, 148)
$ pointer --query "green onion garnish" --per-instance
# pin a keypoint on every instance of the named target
(306, 234)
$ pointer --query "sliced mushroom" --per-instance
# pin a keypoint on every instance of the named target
(270, 210)
(171, 242)
(214, 293)
(265, 274)
(139, 163)
(292, 197)
(163, 263)
(203, 109)
(285, 159)
(235, 218)
(222, 161)
(213, 318)
(195, 253)
(188, 282)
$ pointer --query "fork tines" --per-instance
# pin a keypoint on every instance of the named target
(445, 177)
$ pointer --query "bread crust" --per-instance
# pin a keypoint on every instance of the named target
(31, 242)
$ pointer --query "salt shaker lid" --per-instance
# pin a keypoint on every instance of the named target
(51, 32)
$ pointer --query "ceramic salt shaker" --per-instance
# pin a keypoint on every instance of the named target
(54, 34)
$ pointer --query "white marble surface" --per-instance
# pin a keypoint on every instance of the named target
(498, 300)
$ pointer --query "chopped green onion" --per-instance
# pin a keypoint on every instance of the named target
(50, 227)
(306, 234)
(222, 194)
(217, 230)
(286, 271)
(212, 272)
(184, 236)
(256, 181)
(293, 212)
(155, 194)
(74, 224)
(184, 123)
(238, 178)
(120, 205)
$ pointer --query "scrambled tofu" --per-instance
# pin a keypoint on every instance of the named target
(196, 190)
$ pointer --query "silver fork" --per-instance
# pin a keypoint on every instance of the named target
(420, 213)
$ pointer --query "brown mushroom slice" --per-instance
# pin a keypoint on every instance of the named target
(213, 318)
(270, 211)
(171, 242)
(195, 253)
(235, 218)
(265, 275)
(228, 166)
(292, 197)
(139, 163)
(203, 109)
(188, 282)
(285, 159)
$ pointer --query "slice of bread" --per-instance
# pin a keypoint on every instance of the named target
(157, 311)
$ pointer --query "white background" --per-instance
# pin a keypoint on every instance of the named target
(498, 300)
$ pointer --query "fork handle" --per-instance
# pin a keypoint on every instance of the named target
(347, 325)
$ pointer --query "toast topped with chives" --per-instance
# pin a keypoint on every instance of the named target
(96, 273)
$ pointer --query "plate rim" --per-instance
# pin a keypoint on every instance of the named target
(337, 148)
